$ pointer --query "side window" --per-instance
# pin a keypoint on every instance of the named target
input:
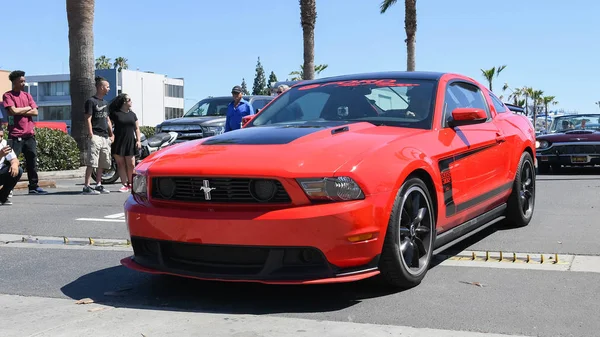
(498, 105)
(463, 95)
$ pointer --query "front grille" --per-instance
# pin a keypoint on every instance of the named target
(220, 190)
(573, 149)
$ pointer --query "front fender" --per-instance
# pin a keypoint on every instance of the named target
(385, 170)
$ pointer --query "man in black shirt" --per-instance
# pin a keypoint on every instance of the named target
(100, 137)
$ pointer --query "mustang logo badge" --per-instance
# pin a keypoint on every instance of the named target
(206, 189)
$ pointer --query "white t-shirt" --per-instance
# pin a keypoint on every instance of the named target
(8, 157)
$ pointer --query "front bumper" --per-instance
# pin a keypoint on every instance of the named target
(338, 242)
(570, 153)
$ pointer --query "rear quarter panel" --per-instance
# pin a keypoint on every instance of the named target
(520, 136)
(518, 130)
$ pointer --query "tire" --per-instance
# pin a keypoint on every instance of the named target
(521, 202)
(393, 265)
(108, 177)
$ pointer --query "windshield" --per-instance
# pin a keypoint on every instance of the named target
(394, 102)
(209, 107)
(575, 122)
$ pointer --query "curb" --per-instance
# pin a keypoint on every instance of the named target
(51, 175)
(23, 185)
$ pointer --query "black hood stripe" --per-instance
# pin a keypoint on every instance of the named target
(263, 135)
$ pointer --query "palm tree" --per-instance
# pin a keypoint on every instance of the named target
(80, 17)
(491, 73)
(526, 91)
(410, 26)
(308, 19)
(103, 62)
(299, 74)
(547, 100)
(515, 94)
(536, 97)
(121, 63)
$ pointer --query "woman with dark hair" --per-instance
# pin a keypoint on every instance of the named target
(127, 138)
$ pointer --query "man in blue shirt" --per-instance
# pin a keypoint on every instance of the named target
(237, 109)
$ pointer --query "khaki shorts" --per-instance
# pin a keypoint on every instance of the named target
(98, 152)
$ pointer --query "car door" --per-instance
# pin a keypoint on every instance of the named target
(471, 174)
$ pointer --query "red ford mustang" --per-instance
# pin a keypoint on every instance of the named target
(336, 180)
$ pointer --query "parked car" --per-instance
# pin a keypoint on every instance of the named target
(206, 118)
(336, 180)
(572, 140)
(62, 126)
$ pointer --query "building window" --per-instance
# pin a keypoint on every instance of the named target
(171, 113)
(173, 90)
(55, 113)
(56, 89)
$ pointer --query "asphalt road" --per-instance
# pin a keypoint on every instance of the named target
(510, 301)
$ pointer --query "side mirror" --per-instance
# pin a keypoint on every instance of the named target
(467, 116)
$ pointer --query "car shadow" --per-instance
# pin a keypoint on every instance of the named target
(121, 287)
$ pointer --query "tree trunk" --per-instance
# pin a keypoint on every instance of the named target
(546, 121)
(308, 18)
(410, 25)
(80, 16)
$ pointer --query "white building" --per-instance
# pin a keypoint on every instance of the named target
(155, 97)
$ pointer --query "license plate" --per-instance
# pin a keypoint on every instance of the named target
(579, 159)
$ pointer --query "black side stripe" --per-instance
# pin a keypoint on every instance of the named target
(444, 166)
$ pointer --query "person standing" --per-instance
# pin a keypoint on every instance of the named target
(9, 174)
(100, 137)
(21, 108)
(236, 110)
(127, 138)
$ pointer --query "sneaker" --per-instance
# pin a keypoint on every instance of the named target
(101, 189)
(10, 195)
(37, 190)
(88, 190)
(6, 203)
(124, 189)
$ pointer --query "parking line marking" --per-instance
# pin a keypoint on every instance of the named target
(101, 220)
(115, 216)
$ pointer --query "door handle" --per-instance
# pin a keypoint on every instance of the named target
(500, 137)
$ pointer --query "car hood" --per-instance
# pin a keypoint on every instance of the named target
(210, 120)
(276, 150)
(579, 135)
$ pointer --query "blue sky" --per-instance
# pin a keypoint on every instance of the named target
(550, 45)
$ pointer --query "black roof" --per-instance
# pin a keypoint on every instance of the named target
(246, 97)
(514, 108)
(417, 75)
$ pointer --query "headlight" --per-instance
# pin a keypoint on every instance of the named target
(542, 144)
(217, 130)
(336, 189)
(140, 185)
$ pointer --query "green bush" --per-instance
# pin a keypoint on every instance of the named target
(56, 151)
(149, 131)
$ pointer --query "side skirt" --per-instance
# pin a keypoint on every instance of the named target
(459, 233)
